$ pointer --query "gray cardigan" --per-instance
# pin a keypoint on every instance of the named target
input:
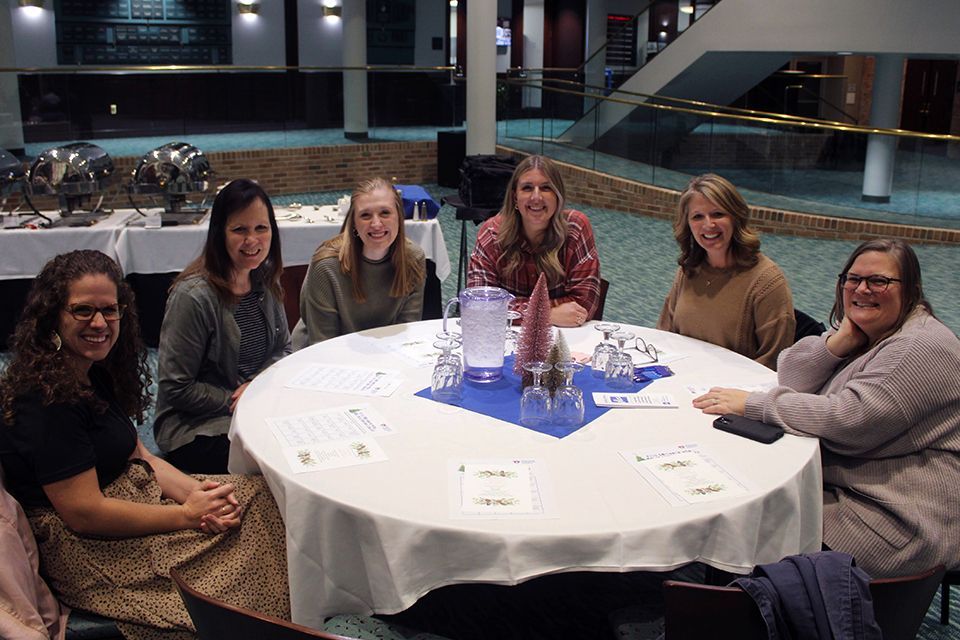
(199, 350)
(889, 428)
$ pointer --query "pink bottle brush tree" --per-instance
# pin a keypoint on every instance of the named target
(536, 332)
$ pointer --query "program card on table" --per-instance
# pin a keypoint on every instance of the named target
(333, 454)
(684, 474)
(337, 423)
(361, 381)
(491, 489)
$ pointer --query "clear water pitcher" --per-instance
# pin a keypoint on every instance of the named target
(483, 324)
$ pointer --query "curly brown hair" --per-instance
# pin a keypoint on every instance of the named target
(38, 366)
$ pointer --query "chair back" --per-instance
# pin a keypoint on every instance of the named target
(806, 326)
(215, 619)
(697, 611)
(900, 604)
(604, 285)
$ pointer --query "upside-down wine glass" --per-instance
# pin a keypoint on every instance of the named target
(535, 404)
(446, 385)
(603, 350)
(510, 339)
(568, 398)
(619, 371)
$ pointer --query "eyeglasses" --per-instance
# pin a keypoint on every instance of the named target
(85, 312)
(647, 349)
(877, 284)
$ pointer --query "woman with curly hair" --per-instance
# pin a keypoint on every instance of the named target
(224, 323)
(109, 517)
(532, 234)
(726, 291)
(368, 276)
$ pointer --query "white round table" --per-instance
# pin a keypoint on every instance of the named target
(376, 537)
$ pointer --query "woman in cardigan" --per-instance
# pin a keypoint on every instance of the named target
(110, 518)
(725, 291)
(882, 392)
(224, 324)
(532, 234)
(368, 276)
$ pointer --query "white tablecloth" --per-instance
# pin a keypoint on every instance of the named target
(170, 249)
(376, 537)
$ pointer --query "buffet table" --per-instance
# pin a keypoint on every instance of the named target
(376, 537)
(151, 257)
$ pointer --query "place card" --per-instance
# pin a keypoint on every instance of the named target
(683, 474)
(360, 381)
(634, 400)
(493, 489)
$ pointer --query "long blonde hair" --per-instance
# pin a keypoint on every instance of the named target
(510, 232)
(348, 247)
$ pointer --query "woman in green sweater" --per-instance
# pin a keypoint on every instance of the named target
(368, 276)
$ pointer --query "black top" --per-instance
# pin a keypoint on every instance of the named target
(53, 442)
(253, 335)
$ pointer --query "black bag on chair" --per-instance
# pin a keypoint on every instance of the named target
(484, 179)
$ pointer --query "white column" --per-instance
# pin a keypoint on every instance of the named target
(596, 38)
(481, 77)
(532, 48)
(355, 125)
(11, 122)
(884, 113)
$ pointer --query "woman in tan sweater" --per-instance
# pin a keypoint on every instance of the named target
(725, 291)
(882, 392)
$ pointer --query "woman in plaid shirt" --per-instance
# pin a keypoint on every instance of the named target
(533, 233)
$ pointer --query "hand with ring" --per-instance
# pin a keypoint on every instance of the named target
(720, 400)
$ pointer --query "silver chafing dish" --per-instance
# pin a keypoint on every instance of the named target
(173, 171)
(74, 172)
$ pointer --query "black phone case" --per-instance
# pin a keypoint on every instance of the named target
(753, 429)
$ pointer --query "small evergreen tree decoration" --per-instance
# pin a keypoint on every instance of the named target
(536, 333)
(559, 352)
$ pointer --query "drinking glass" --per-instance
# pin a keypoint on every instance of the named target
(450, 355)
(619, 371)
(535, 402)
(446, 385)
(603, 350)
(568, 399)
(512, 334)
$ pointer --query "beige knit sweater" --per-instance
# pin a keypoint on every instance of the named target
(749, 311)
(889, 428)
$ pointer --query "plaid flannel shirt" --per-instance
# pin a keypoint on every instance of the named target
(578, 256)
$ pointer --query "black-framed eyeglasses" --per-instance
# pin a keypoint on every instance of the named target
(877, 284)
(85, 312)
(645, 348)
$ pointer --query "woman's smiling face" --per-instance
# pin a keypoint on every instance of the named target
(711, 227)
(537, 203)
(875, 312)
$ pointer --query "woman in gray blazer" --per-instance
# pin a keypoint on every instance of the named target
(224, 323)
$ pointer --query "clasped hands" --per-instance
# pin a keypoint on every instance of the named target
(214, 507)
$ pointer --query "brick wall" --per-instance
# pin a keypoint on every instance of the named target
(283, 171)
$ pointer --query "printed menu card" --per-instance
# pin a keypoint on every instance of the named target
(497, 489)
(683, 474)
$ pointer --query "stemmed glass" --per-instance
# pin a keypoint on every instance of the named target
(510, 339)
(535, 402)
(568, 399)
(446, 385)
(603, 350)
(619, 371)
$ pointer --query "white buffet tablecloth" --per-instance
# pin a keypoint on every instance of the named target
(25, 251)
(142, 250)
(376, 537)
(170, 249)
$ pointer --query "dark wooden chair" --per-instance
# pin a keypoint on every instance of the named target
(694, 611)
(604, 286)
(215, 619)
(950, 578)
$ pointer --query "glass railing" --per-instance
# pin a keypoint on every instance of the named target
(780, 161)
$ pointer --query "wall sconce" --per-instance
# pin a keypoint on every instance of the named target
(248, 8)
(332, 12)
(687, 9)
(36, 4)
